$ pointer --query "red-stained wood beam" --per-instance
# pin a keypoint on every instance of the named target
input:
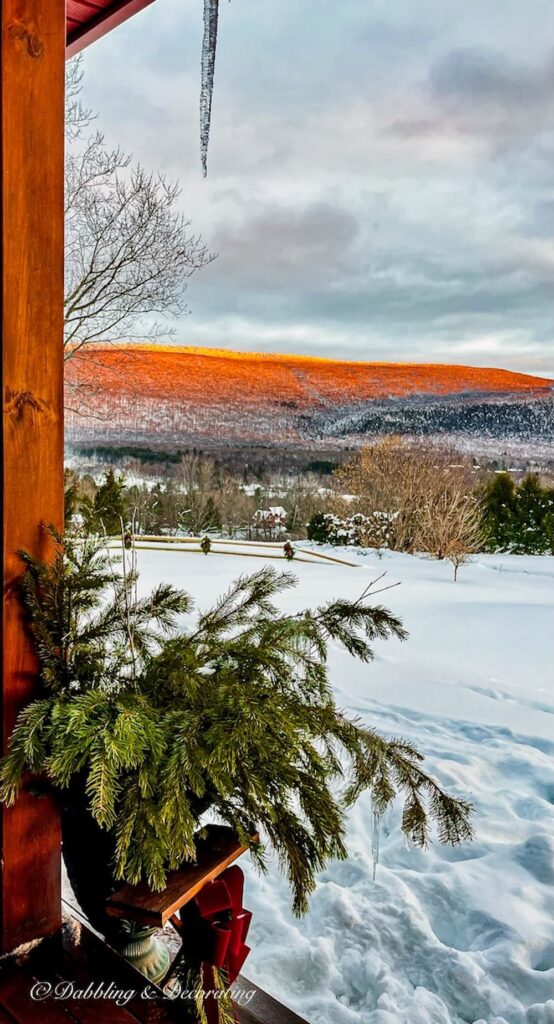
(114, 14)
(31, 273)
(216, 852)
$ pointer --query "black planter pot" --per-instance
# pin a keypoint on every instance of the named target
(88, 852)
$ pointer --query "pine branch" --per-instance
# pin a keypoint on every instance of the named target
(236, 716)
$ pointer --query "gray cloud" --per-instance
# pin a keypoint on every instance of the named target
(288, 247)
(380, 176)
(491, 78)
(492, 95)
(504, 104)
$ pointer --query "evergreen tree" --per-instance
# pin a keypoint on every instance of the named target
(212, 516)
(70, 501)
(533, 518)
(235, 714)
(549, 519)
(518, 519)
(108, 508)
(499, 507)
(156, 510)
(318, 528)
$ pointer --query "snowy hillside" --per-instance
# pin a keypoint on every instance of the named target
(174, 397)
(442, 936)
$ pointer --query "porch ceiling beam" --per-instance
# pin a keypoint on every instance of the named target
(99, 24)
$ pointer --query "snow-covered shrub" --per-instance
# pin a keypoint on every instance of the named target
(366, 531)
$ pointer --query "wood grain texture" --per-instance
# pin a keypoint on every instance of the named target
(77, 961)
(263, 1008)
(140, 903)
(31, 266)
(88, 953)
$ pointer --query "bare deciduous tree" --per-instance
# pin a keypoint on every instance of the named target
(77, 117)
(235, 506)
(302, 498)
(458, 554)
(451, 522)
(424, 487)
(129, 251)
(196, 476)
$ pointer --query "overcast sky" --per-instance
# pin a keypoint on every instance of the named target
(381, 175)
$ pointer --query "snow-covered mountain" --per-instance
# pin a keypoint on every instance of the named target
(166, 396)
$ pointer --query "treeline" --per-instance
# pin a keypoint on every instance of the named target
(198, 498)
(140, 453)
(530, 419)
(248, 461)
(518, 518)
(409, 497)
(394, 494)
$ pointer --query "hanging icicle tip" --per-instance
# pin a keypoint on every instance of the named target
(209, 45)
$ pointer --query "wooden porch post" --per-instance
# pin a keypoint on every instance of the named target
(31, 270)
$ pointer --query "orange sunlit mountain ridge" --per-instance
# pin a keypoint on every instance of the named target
(171, 371)
(173, 395)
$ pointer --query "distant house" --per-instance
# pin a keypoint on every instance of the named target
(270, 522)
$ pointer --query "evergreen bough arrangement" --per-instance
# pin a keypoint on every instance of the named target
(234, 714)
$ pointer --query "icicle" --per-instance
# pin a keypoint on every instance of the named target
(209, 44)
(375, 838)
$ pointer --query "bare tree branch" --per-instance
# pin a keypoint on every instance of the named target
(129, 250)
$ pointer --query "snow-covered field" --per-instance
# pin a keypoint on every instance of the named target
(442, 936)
